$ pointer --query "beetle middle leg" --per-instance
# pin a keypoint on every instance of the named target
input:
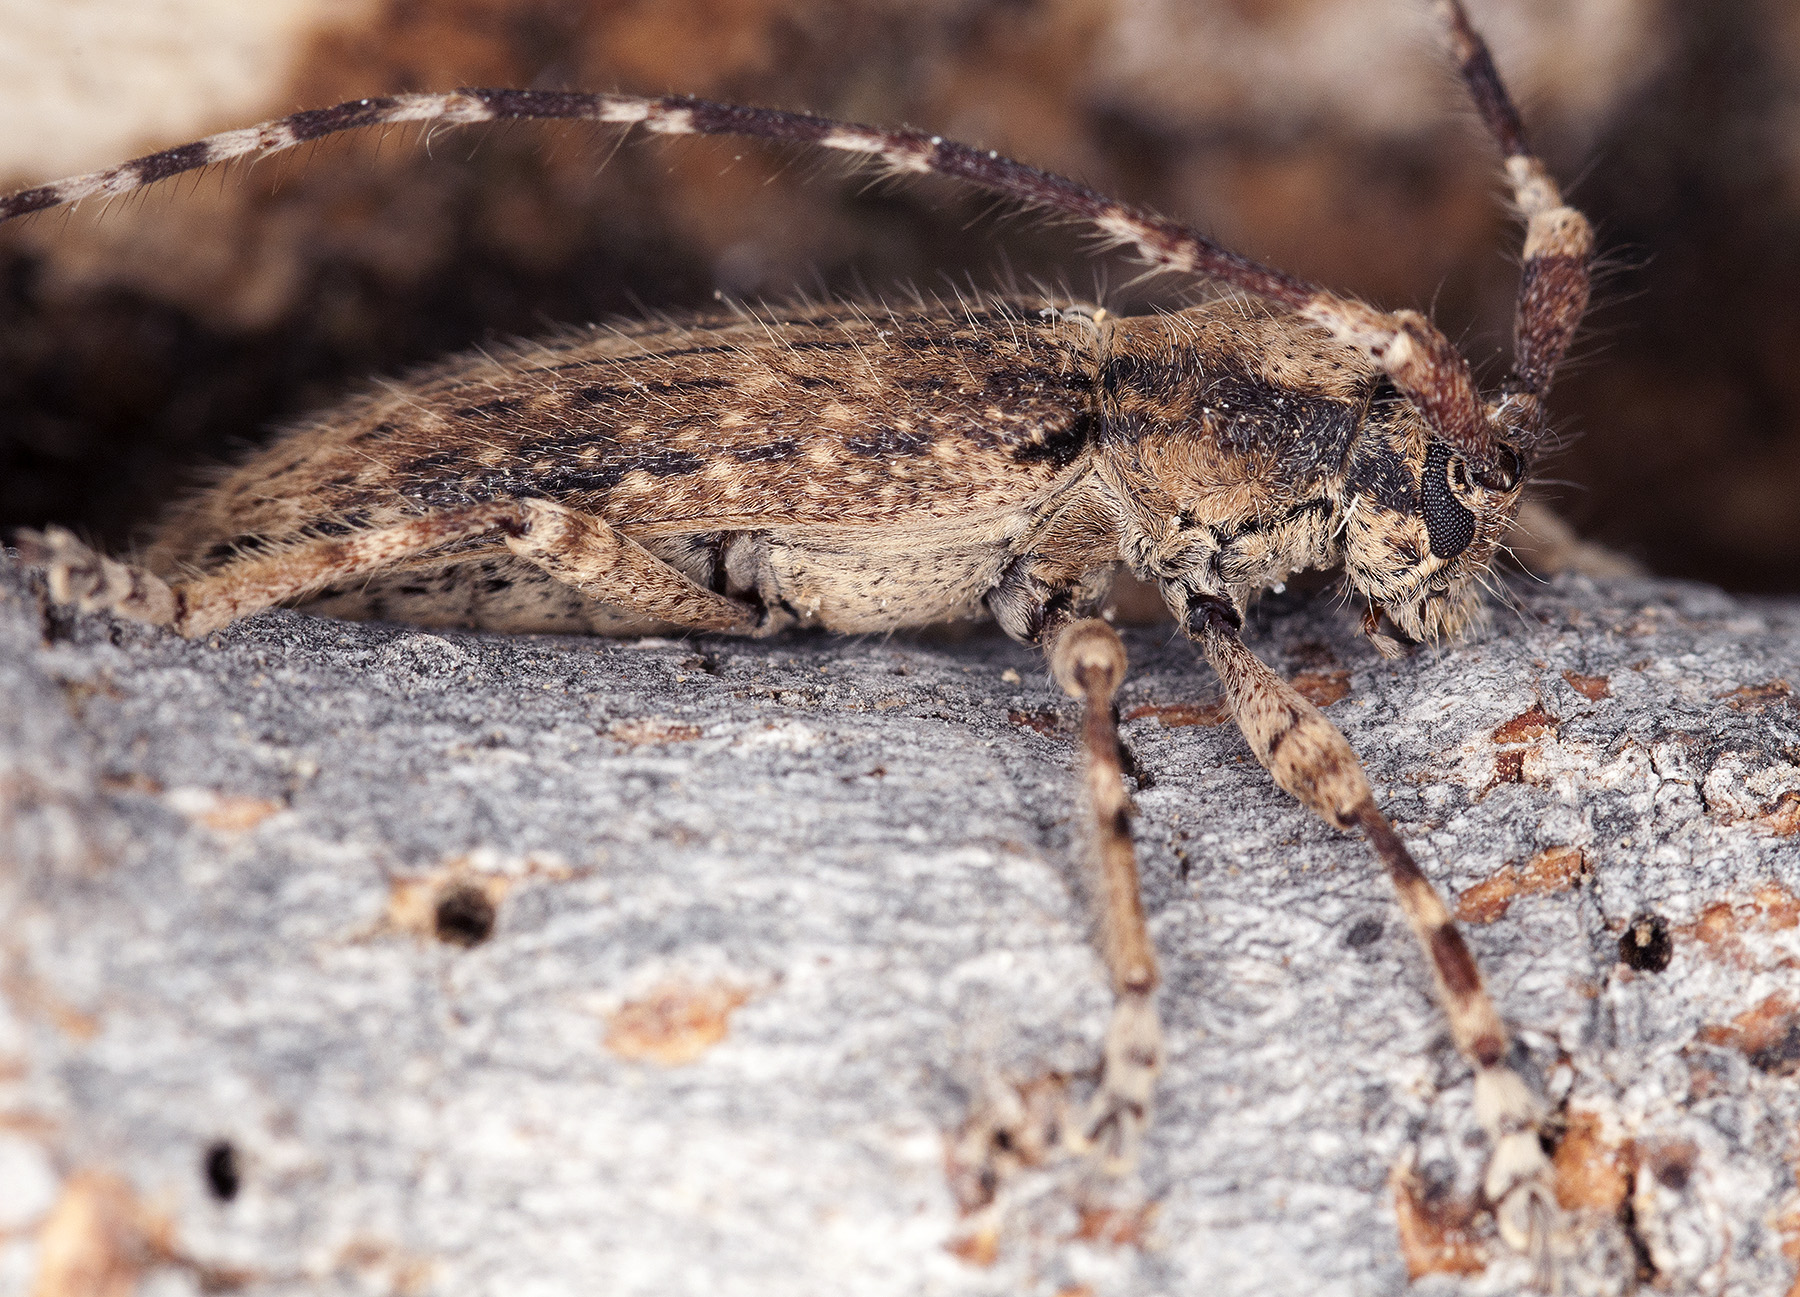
(1088, 661)
(579, 550)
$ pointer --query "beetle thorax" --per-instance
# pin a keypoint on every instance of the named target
(1244, 448)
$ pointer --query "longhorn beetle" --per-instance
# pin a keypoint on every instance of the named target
(862, 469)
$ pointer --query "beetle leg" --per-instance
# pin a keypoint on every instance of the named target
(1088, 661)
(578, 549)
(585, 553)
(92, 582)
(1306, 755)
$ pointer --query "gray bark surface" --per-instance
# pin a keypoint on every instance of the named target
(769, 920)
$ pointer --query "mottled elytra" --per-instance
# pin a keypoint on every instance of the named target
(861, 467)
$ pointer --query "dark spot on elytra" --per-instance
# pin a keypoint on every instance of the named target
(1364, 932)
(821, 344)
(426, 466)
(233, 547)
(886, 443)
(370, 434)
(671, 354)
(605, 393)
(670, 463)
(561, 482)
(768, 452)
(1057, 446)
(500, 405)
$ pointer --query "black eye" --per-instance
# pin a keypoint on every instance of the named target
(1448, 523)
(1507, 470)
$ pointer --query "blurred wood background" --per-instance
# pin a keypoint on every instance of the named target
(139, 344)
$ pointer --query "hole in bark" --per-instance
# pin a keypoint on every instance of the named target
(464, 916)
(221, 1168)
(1128, 762)
(1645, 944)
(1362, 933)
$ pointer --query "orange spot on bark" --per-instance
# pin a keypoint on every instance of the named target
(651, 730)
(1532, 723)
(1590, 1172)
(34, 996)
(413, 902)
(1554, 869)
(674, 1024)
(1592, 688)
(1723, 926)
(232, 814)
(1782, 817)
(98, 1240)
(1751, 697)
(222, 812)
(1768, 1035)
(1788, 1226)
(1435, 1237)
(1118, 1226)
(980, 1248)
(134, 781)
(1322, 688)
(1044, 722)
(1509, 768)
(1173, 715)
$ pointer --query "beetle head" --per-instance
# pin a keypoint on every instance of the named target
(1424, 520)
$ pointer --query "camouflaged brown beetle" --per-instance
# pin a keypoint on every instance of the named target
(862, 469)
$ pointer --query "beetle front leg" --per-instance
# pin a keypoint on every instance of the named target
(1088, 661)
(1306, 755)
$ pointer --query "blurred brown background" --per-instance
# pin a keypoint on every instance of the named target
(1322, 135)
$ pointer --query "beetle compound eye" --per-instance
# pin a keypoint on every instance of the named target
(1448, 522)
(1507, 470)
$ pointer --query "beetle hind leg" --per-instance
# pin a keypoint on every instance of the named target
(1088, 661)
(91, 582)
(579, 550)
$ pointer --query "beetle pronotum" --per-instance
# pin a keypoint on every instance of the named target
(861, 468)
